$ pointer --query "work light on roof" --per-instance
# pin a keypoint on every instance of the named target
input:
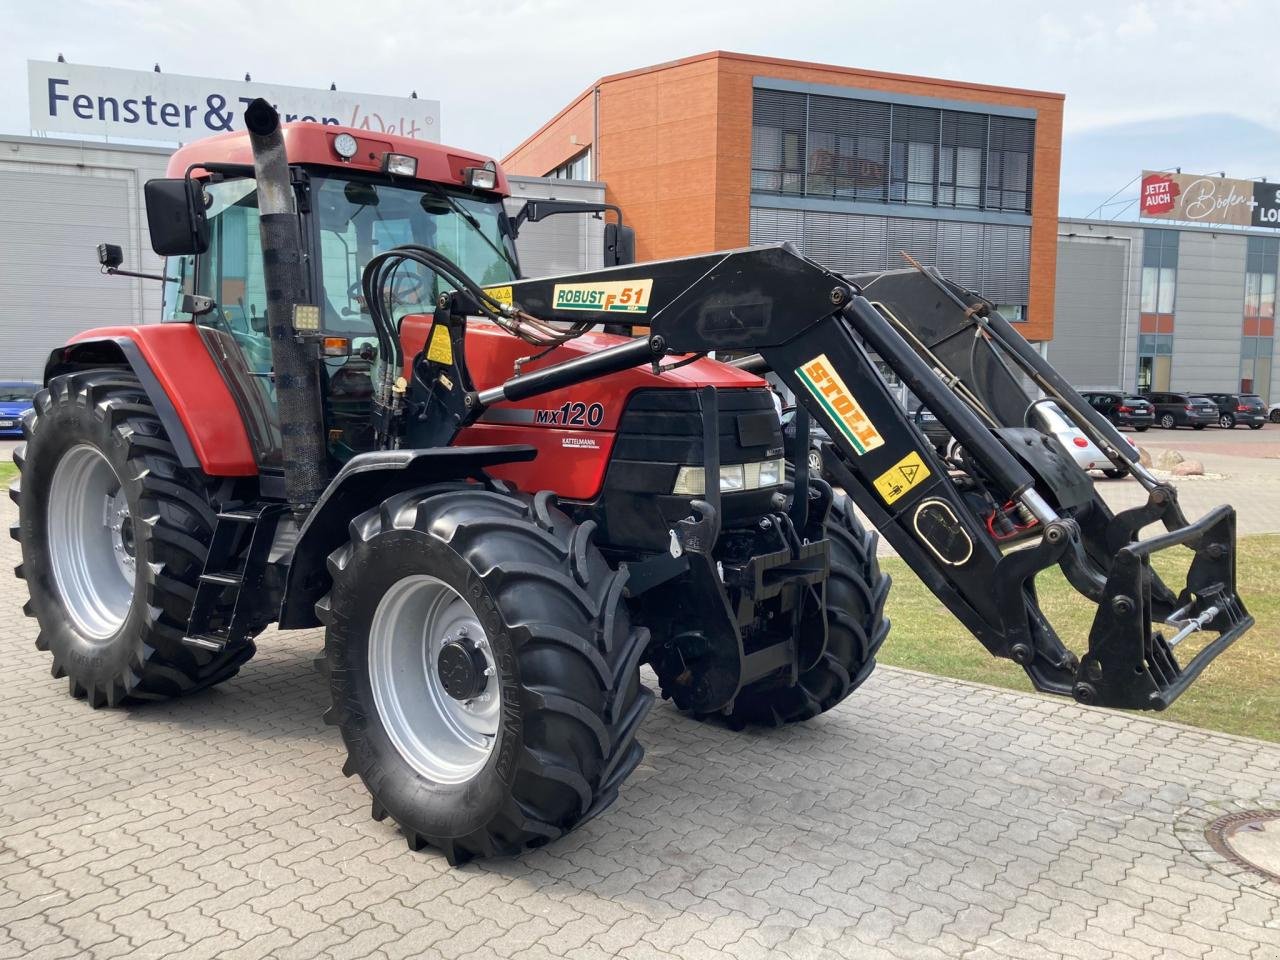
(345, 146)
(481, 178)
(399, 165)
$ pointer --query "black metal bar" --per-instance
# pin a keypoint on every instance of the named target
(963, 423)
(624, 356)
(800, 462)
(710, 403)
(752, 363)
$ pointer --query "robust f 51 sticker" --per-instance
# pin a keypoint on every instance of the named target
(624, 296)
(838, 400)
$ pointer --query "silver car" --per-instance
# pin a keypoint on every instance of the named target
(1047, 417)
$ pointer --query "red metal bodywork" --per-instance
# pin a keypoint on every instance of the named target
(312, 143)
(180, 361)
(572, 459)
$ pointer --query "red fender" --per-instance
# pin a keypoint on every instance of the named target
(174, 359)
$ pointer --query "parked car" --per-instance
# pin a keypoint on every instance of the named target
(1234, 408)
(817, 437)
(932, 428)
(1273, 413)
(16, 397)
(1175, 410)
(1047, 417)
(1122, 409)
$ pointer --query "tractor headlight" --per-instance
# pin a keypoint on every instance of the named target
(772, 472)
(734, 477)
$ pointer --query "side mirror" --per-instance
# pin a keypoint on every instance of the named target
(619, 245)
(176, 217)
(110, 256)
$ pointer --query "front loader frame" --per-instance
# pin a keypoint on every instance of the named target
(816, 330)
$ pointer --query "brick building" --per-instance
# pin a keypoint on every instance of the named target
(722, 149)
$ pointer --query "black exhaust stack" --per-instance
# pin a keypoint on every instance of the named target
(296, 375)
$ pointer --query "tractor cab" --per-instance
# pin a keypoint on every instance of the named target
(355, 198)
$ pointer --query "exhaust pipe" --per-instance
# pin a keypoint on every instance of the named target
(297, 378)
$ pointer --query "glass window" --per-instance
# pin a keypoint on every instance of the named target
(578, 167)
(359, 219)
(843, 147)
(1159, 270)
(17, 392)
(230, 273)
(778, 141)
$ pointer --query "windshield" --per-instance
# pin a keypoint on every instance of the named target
(16, 392)
(358, 219)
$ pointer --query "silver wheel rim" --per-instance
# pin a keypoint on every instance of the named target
(91, 542)
(1224, 421)
(444, 739)
(815, 462)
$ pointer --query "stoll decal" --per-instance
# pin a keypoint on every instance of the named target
(623, 296)
(840, 404)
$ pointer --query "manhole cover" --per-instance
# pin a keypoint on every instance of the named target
(1251, 839)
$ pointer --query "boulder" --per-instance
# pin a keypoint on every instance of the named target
(1144, 456)
(1168, 459)
(1188, 468)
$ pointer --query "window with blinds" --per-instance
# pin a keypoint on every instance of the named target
(846, 148)
(991, 259)
(778, 141)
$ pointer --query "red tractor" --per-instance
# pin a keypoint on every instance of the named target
(358, 415)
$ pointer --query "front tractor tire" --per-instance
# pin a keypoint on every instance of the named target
(856, 628)
(483, 669)
(114, 533)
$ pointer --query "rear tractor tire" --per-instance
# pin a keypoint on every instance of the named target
(114, 533)
(483, 669)
(856, 628)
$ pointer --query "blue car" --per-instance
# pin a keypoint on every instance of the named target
(16, 397)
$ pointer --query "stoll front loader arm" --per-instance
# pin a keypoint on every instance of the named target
(976, 527)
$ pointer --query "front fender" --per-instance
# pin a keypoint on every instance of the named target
(364, 482)
(183, 383)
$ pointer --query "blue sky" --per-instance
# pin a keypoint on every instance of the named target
(1177, 83)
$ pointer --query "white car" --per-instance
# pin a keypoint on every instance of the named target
(1047, 417)
(1273, 413)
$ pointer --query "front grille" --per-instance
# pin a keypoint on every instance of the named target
(665, 426)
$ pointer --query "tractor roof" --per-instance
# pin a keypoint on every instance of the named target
(312, 143)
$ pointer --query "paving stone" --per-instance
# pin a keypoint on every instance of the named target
(924, 818)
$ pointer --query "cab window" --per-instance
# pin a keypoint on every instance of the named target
(359, 219)
(229, 273)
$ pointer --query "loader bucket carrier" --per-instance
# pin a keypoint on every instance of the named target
(818, 331)
(500, 512)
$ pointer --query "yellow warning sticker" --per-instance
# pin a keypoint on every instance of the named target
(441, 348)
(501, 294)
(820, 376)
(899, 479)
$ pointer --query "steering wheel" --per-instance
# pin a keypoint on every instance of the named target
(402, 286)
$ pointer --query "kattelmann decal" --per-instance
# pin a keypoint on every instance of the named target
(840, 404)
(899, 479)
(623, 296)
(501, 294)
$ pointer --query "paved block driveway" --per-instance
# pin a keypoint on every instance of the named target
(923, 819)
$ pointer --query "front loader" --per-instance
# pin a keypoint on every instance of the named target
(361, 417)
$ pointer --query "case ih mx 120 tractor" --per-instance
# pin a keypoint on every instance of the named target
(358, 415)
